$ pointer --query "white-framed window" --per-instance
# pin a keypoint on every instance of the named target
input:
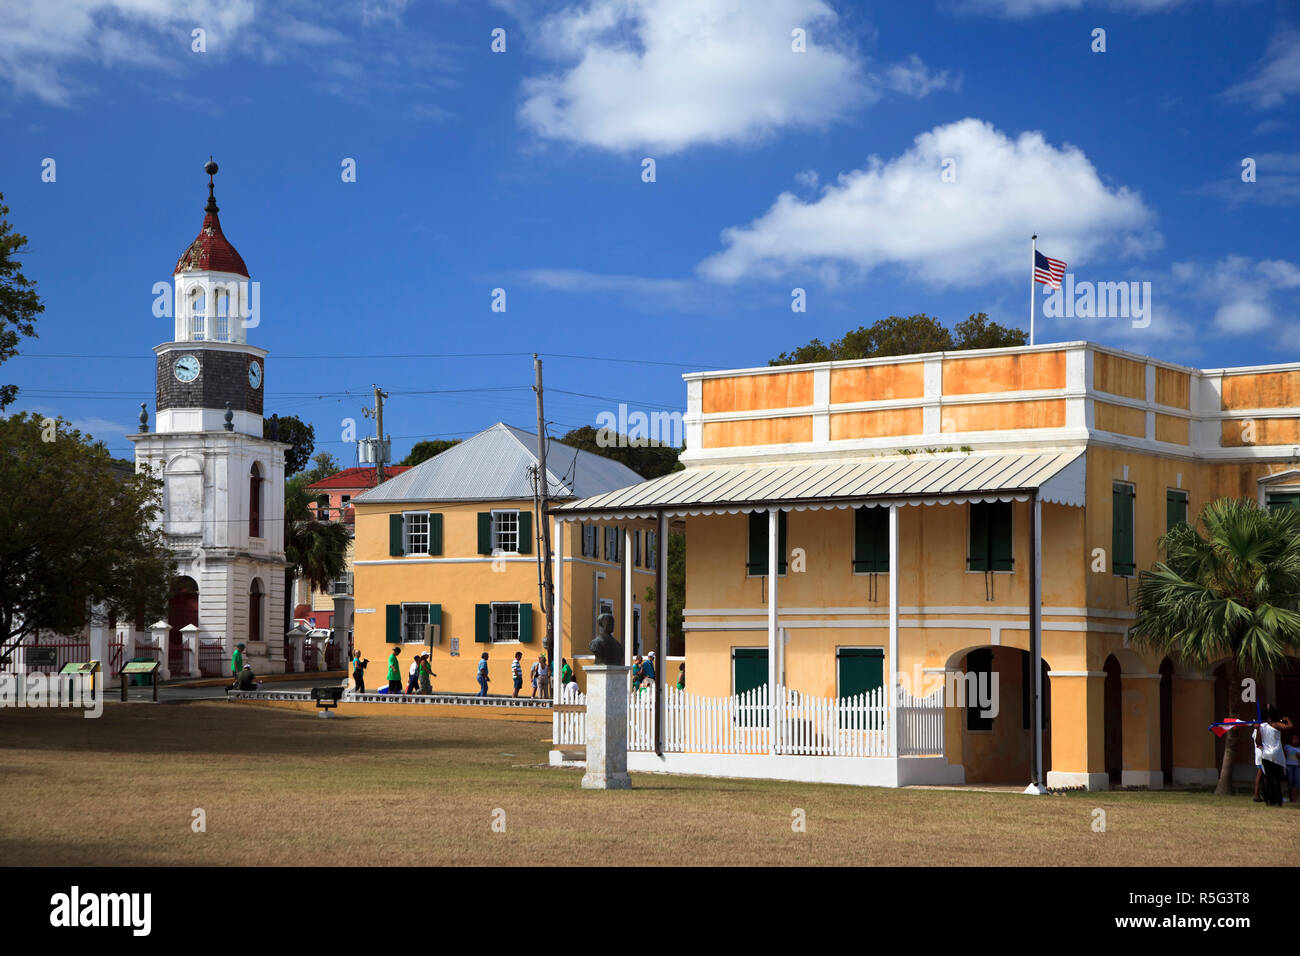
(322, 507)
(505, 621)
(221, 321)
(198, 314)
(613, 544)
(414, 619)
(415, 528)
(652, 549)
(590, 539)
(342, 585)
(505, 532)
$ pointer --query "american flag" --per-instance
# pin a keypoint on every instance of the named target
(1048, 271)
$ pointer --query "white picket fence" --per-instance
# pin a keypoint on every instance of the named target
(856, 726)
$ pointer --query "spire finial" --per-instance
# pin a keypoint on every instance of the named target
(210, 167)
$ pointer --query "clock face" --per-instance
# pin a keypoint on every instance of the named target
(254, 374)
(187, 368)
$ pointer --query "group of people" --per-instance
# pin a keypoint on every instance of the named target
(419, 676)
(1277, 763)
(241, 672)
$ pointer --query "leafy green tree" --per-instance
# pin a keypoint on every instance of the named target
(323, 464)
(1231, 591)
(649, 460)
(299, 434)
(424, 450)
(910, 335)
(76, 532)
(19, 303)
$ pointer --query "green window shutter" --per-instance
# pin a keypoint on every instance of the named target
(1175, 508)
(757, 563)
(781, 549)
(1121, 529)
(1000, 536)
(394, 623)
(435, 613)
(435, 533)
(1283, 501)
(977, 554)
(396, 543)
(485, 532)
(482, 623)
(526, 623)
(525, 532)
(871, 539)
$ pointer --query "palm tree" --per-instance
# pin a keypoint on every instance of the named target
(1231, 592)
(315, 550)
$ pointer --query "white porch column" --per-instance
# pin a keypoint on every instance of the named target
(661, 645)
(1036, 783)
(557, 608)
(628, 632)
(894, 665)
(773, 567)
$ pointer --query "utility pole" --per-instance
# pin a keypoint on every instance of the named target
(379, 446)
(544, 555)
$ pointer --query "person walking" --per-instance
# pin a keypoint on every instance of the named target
(483, 675)
(681, 676)
(426, 674)
(517, 672)
(648, 668)
(394, 672)
(413, 675)
(237, 663)
(1268, 737)
(566, 672)
(359, 672)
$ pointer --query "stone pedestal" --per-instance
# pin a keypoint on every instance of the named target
(161, 632)
(190, 635)
(607, 692)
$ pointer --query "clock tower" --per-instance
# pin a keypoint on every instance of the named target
(223, 482)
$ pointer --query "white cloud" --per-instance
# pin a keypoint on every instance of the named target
(1029, 8)
(807, 178)
(663, 75)
(902, 214)
(1245, 296)
(913, 78)
(1277, 78)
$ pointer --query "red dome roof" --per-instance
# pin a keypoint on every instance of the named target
(211, 251)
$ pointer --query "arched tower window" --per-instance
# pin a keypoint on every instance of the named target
(255, 610)
(222, 326)
(255, 502)
(198, 314)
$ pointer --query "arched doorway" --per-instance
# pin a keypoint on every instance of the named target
(182, 610)
(255, 501)
(1113, 720)
(1167, 720)
(994, 744)
(255, 610)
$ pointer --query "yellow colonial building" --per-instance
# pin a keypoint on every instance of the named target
(878, 552)
(446, 559)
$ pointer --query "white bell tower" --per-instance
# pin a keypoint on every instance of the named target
(223, 482)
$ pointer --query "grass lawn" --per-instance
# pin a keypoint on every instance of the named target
(278, 786)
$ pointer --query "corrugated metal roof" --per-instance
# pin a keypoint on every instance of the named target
(493, 465)
(929, 478)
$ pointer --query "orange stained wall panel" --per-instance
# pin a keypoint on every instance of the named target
(758, 431)
(1173, 388)
(1000, 416)
(876, 424)
(746, 393)
(1119, 376)
(1120, 419)
(1263, 390)
(877, 383)
(1240, 432)
(1004, 373)
(1172, 429)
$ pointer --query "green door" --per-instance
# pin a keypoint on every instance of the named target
(860, 669)
(748, 668)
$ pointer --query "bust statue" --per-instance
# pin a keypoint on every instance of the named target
(605, 645)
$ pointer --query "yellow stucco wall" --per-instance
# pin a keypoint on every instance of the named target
(998, 416)
(1119, 376)
(1261, 390)
(874, 424)
(1119, 418)
(461, 578)
(1173, 387)
(758, 431)
(1172, 429)
(1259, 431)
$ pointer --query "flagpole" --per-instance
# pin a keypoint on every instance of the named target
(1033, 264)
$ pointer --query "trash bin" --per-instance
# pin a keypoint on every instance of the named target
(141, 680)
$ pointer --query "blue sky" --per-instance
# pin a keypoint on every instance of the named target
(522, 170)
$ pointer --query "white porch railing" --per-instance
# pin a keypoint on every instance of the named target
(855, 726)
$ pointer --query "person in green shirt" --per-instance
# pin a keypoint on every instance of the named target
(394, 672)
(237, 661)
(566, 672)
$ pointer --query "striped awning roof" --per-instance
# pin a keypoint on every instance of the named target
(916, 479)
